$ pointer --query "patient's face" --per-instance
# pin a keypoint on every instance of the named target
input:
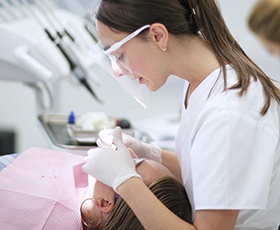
(104, 196)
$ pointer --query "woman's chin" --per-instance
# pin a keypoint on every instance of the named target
(152, 88)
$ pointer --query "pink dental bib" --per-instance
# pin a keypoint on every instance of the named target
(42, 189)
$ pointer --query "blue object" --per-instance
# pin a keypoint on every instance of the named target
(71, 118)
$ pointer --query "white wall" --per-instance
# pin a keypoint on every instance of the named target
(17, 101)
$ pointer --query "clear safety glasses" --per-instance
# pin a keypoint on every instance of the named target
(119, 71)
(118, 45)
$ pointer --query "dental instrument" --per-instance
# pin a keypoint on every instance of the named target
(65, 49)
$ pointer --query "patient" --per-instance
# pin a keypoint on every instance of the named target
(46, 189)
(167, 189)
(103, 209)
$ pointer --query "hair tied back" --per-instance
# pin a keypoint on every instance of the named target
(184, 3)
(187, 5)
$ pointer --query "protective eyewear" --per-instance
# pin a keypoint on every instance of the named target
(131, 86)
(117, 45)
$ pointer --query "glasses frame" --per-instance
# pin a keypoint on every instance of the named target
(117, 45)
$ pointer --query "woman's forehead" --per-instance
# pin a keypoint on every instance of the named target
(106, 35)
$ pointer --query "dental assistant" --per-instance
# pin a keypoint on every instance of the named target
(228, 155)
(264, 21)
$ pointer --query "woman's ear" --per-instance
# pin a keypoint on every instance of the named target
(160, 35)
(104, 205)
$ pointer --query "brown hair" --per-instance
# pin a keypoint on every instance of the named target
(264, 20)
(167, 189)
(196, 18)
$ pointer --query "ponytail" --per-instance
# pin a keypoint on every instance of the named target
(215, 32)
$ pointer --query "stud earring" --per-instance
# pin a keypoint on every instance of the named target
(163, 48)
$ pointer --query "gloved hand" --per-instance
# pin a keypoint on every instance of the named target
(111, 167)
(142, 149)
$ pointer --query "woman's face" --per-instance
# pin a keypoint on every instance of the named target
(140, 60)
(104, 196)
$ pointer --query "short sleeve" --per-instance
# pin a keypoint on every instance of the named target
(232, 158)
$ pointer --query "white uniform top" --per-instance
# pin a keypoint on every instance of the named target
(229, 154)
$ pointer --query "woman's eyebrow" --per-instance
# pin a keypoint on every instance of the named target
(106, 47)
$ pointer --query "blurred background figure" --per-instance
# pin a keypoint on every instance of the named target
(264, 22)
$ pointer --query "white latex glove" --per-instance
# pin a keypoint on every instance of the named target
(142, 149)
(111, 167)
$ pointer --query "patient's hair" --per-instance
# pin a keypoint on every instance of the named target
(264, 20)
(167, 189)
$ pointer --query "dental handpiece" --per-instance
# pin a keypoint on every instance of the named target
(77, 71)
(65, 50)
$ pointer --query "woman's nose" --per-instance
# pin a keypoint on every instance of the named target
(118, 70)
